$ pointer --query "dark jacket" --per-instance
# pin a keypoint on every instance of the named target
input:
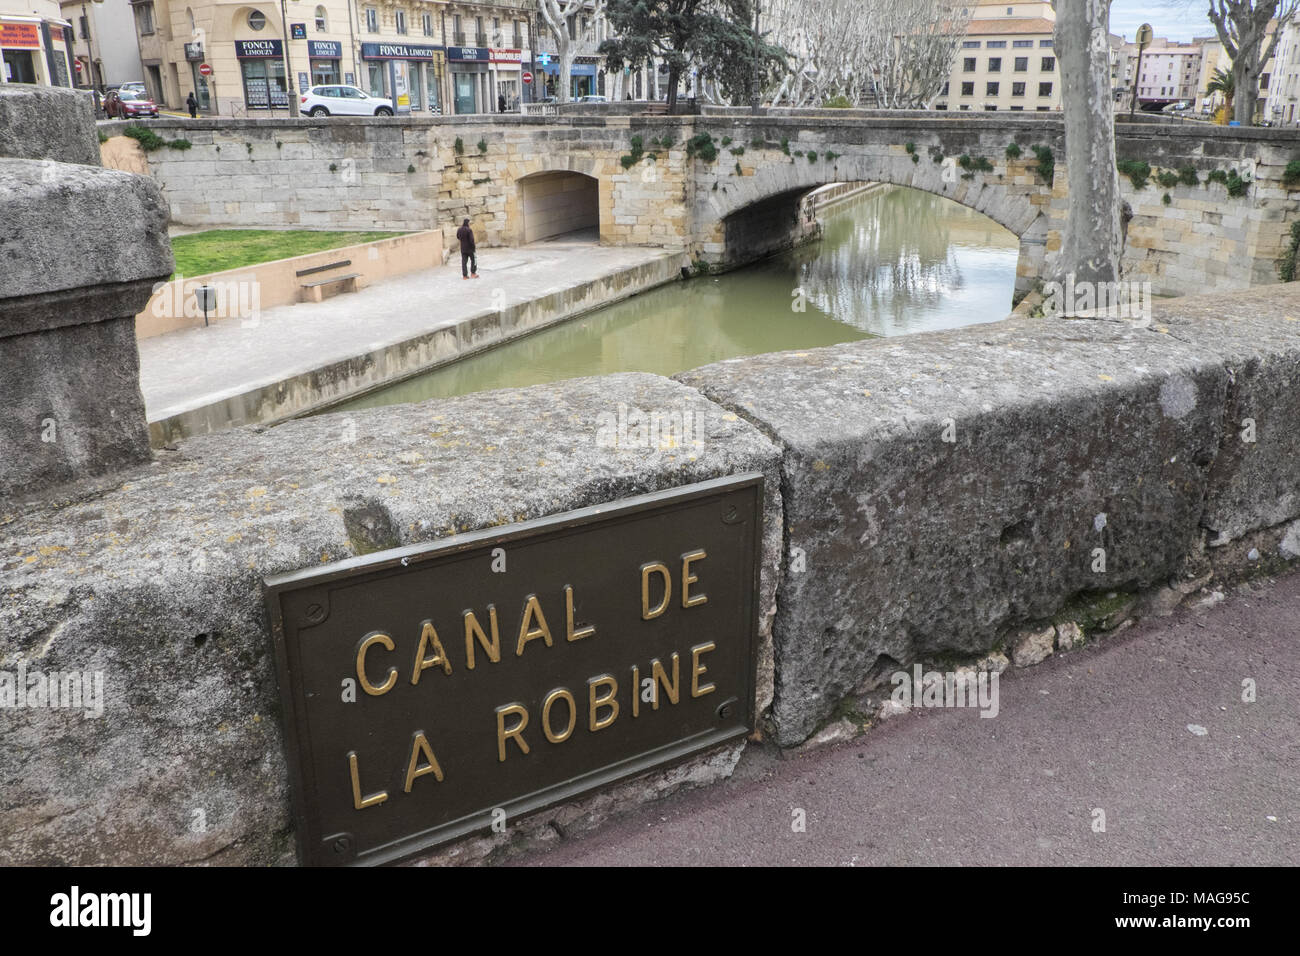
(466, 236)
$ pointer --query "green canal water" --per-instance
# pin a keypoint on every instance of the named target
(892, 262)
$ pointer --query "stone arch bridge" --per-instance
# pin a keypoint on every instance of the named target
(643, 180)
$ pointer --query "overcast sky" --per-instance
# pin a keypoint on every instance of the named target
(1173, 19)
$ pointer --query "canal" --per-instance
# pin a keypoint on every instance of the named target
(891, 262)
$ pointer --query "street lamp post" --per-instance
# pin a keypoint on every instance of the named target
(1143, 39)
(757, 96)
(288, 65)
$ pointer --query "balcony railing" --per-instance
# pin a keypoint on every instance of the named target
(459, 39)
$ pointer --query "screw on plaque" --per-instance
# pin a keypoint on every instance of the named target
(342, 844)
(315, 613)
(731, 514)
(726, 709)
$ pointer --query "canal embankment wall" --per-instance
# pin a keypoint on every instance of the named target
(989, 495)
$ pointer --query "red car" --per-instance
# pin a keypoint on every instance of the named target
(125, 104)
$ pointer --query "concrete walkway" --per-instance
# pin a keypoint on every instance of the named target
(202, 367)
(1147, 726)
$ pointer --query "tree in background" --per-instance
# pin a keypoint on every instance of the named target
(556, 13)
(1242, 26)
(896, 54)
(1091, 237)
(715, 37)
(1222, 82)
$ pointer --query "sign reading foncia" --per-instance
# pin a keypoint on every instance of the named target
(439, 690)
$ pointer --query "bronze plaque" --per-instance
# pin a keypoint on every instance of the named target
(439, 690)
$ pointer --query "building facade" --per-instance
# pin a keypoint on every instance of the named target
(1006, 62)
(1170, 72)
(244, 58)
(35, 43)
(104, 49)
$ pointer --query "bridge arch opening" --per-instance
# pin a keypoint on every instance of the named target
(559, 203)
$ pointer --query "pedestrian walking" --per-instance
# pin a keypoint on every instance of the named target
(501, 102)
(193, 105)
(468, 261)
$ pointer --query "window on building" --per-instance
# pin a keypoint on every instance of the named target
(322, 24)
(968, 65)
(144, 19)
(1045, 44)
(964, 106)
(968, 89)
(519, 35)
(1021, 44)
(991, 89)
(1049, 64)
(399, 19)
(372, 20)
(480, 38)
(256, 20)
(970, 45)
(1015, 109)
(1022, 64)
(995, 64)
(996, 44)
(1263, 81)
(458, 35)
(990, 108)
(944, 91)
(1017, 89)
(427, 20)
(1044, 89)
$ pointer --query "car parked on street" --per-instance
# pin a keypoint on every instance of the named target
(128, 104)
(343, 101)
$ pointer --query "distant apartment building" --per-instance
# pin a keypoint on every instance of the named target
(1170, 72)
(104, 49)
(1282, 99)
(1006, 62)
(35, 43)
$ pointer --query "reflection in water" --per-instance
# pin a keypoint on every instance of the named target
(896, 261)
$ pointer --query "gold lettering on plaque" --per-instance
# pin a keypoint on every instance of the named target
(517, 731)
(377, 637)
(598, 701)
(656, 567)
(688, 579)
(529, 631)
(420, 748)
(474, 631)
(661, 679)
(698, 690)
(580, 633)
(560, 693)
(359, 802)
(428, 636)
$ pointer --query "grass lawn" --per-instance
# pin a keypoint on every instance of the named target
(220, 249)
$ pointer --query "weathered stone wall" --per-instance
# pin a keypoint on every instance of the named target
(360, 173)
(927, 497)
(80, 248)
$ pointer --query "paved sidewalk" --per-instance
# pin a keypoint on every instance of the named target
(1105, 727)
(199, 366)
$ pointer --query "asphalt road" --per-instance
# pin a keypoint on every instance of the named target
(1105, 727)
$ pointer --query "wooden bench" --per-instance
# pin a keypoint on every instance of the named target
(320, 289)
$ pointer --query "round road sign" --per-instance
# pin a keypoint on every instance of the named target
(528, 77)
(206, 69)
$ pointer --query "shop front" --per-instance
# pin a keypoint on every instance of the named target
(582, 79)
(33, 50)
(471, 82)
(324, 57)
(406, 73)
(261, 68)
(507, 68)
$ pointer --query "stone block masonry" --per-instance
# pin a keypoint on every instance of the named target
(69, 371)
